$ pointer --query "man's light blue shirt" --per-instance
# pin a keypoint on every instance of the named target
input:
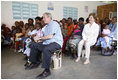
(53, 28)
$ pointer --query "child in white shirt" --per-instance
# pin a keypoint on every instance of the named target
(36, 34)
(39, 32)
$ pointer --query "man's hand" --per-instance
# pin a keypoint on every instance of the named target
(46, 37)
(35, 38)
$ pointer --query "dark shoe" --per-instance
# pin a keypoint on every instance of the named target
(26, 64)
(43, 75)
(74, 56)
(31, 66)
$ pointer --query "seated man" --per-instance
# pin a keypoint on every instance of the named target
(51, 42)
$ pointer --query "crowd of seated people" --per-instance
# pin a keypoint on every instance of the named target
(22, 34)
(5, 35)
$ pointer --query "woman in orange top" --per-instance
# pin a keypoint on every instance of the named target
(70, 27)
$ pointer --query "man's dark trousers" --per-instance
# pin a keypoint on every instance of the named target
(37, 48)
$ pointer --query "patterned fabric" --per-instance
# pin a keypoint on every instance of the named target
(101, 41)
(73, 42)
(70, 29)
(17, 36)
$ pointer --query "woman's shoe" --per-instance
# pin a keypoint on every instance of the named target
(77, 59)
(87, 61)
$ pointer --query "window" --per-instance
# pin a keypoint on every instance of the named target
(70, 12)
(24, 10)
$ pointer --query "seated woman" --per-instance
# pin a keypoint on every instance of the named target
(89, 37)
(70, 27)
(76, 37)
(107, 39)
(104, 41)
(113, 28)
(64, 29)
(6, 32)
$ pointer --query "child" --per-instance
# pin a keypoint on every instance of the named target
(17, 40)
(27, 50)
(106, 31)
(37, 35)
(39, 32)
(31, 31)
(28, 34)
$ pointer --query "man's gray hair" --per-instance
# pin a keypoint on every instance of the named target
(48, 14)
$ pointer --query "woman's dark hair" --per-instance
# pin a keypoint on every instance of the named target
(70, 18)
(81, 19)
(64, 19)
(31, 19)
(87, 20)
(18, 30)
(75, 21)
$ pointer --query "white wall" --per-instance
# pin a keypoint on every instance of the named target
(7, 17)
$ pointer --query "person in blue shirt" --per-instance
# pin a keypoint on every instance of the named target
(113, 28)
(50, 42)
(112, 35)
